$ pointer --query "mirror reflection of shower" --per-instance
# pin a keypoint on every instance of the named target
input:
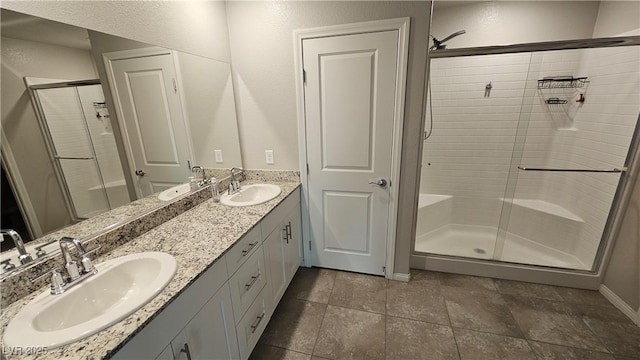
(439, 44)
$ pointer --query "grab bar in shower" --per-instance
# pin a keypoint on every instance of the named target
(615, 170)
(72, 158)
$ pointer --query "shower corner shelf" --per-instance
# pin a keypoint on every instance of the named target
(562, 82)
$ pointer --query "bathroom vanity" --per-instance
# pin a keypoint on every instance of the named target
(224, 312)
(233, 266)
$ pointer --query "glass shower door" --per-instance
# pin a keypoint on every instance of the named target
(524, 154)
(64, 124)
(578, 119)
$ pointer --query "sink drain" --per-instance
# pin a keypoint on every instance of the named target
(479, 251)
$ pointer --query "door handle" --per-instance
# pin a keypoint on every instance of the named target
(378, 182)
(140, 172)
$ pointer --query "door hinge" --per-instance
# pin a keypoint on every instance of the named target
(307, 169)
(384, 269)
(309, 245)
(175, 86)
(304, 77)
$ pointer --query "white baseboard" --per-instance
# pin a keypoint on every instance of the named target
(401, 277)
(632, 314)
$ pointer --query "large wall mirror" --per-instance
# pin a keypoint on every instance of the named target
(92, 122)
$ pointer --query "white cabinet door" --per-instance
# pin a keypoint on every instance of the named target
(211, 333)
(274, 251)
(282, 253)
(292, 244)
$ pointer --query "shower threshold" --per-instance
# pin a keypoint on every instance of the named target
(478, 242)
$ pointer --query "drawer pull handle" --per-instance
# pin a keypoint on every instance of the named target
(253, 280)
(255, 325)
(246, 251)
(185, 350)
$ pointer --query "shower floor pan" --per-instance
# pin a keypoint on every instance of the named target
(478, 242)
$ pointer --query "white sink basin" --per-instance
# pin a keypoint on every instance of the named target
(252, 195)
(174, 192)
(121, 286)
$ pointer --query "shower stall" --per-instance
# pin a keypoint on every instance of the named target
(77, 131)
(525, 150)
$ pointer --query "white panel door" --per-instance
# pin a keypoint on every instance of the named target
(349, 107)
(146, 89)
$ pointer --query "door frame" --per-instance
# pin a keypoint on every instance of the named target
(108, 59)
(401, 25)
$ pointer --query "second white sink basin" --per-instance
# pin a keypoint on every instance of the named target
(121, 286)
(174, 192)
(252, 195)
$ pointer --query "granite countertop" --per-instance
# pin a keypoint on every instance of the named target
(196, 238)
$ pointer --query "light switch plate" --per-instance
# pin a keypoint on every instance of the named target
(269, 156)
(218, 154)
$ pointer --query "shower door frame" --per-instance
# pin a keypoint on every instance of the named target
(50, 145)
(588, 279)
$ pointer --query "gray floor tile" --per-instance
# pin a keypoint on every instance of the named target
(480, 346)
(312, 284)
(268, 352)
(620, 338)
(425, 277)
(550, 322)
(479, 310)
(359, 292)
(581, 296)
(294, 325)
(466, 282)
(418, 301)
(410, 339)
(557, 352)
(527, 289)
(351, 334)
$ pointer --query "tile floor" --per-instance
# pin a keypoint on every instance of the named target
(327, 314)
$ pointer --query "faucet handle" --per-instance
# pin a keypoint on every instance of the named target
(7, 265)
(85, 261)
(57, 282)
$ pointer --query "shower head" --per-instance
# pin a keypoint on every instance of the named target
(439, 44)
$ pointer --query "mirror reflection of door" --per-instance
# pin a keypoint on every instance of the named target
(147, 98)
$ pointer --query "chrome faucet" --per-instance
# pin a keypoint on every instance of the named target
(24, 256)
(203, 181)
(75, 274)
(234, 185)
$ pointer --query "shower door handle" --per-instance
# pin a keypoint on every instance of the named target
(140, 173)
(379, 182)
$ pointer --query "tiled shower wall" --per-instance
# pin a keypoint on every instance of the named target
(593, 135)
(469, 152)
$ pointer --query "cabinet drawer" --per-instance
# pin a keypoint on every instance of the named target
(243, 249)
(273, 219)
(247, 282)
(253, 324)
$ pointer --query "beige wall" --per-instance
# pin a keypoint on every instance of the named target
(261, 34)
(210, 111)
(22, 58)
(197, 27)
(622, 275)
(616, 18)
(512, 22)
